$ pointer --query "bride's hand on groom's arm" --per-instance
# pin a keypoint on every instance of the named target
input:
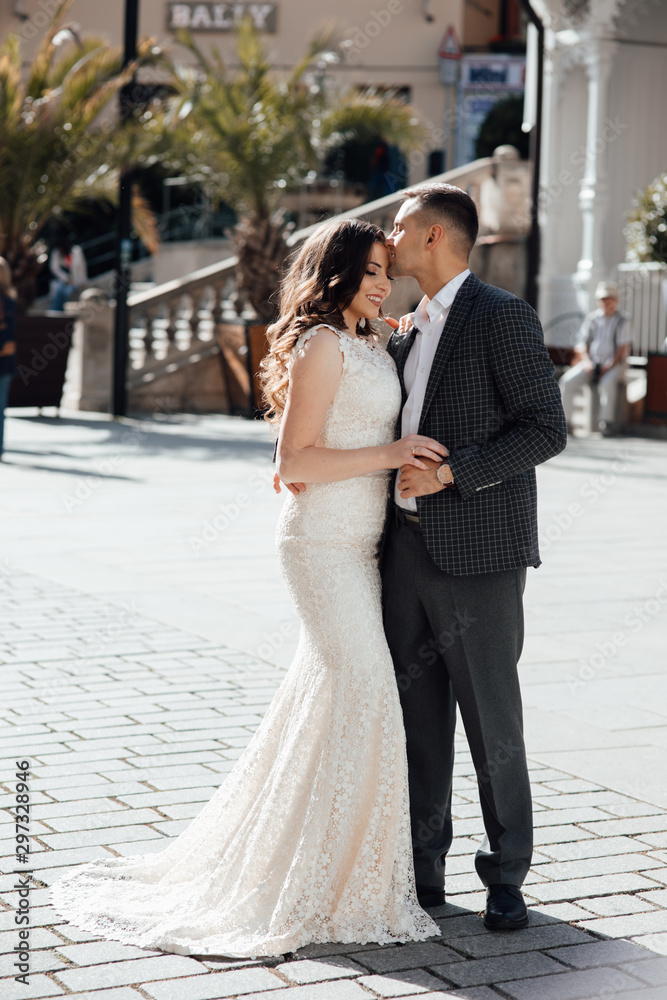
(414, 482)
(415, 450)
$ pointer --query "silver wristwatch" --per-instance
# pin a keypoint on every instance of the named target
(448, 478)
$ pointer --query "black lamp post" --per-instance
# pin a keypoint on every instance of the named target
(535, 154)
(127, 104)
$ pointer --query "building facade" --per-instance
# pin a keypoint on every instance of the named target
(410, 46)
(388, 44)
(604, 137)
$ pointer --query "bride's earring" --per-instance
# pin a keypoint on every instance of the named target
(362, 322)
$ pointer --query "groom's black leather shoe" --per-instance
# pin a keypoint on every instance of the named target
(428, 895)
(505, 908)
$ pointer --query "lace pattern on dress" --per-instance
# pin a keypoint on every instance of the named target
(308, 838)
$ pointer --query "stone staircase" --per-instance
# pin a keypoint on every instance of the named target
(175, 327)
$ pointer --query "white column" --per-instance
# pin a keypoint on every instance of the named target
(594, 191)
(547, 234)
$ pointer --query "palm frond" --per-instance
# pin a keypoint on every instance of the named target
(41, 64)
(365, 117)
(264, 132)
(11, 46)
(11, 99)
(250, 48)
(57, 151)
(184, 38)
(75, 54)
(144, 221)
(92, 72)
(325, 42)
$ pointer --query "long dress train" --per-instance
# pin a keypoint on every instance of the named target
(308, 838)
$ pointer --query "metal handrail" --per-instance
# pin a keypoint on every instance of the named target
(577, 314)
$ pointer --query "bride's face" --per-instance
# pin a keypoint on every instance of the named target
(375, 286)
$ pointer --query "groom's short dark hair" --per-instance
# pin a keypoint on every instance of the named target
(451, 205)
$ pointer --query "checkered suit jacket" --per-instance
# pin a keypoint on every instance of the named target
(493, 400)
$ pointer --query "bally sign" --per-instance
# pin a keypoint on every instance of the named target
(220, 16)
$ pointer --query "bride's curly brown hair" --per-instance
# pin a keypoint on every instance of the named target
(319, 285)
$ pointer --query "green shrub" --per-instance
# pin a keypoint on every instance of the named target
(646, 231)
(502, 126)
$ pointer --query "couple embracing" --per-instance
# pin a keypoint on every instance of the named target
(404, 541)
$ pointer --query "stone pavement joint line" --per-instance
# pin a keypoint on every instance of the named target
(118, 803)
(130, 723)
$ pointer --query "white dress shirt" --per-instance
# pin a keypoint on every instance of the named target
(430, 317)
(601, 350)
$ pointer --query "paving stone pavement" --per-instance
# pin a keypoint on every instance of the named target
(145, 628)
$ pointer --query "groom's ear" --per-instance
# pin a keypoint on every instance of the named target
(434, 236)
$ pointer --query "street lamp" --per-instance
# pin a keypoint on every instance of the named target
(124, 225)
(533, 125)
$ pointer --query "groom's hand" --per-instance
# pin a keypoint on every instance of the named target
(414, 482)
(294, 488)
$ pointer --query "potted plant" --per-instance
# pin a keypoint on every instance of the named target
(56, 154)
(249, 134)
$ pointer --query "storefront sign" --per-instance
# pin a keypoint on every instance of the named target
(220, 16)
(497, 72)
(485, 79)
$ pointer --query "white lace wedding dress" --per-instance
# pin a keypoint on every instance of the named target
(308, 838)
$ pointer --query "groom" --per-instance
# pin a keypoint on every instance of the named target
(475, 376)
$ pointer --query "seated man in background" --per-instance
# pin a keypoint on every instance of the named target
(599, 358)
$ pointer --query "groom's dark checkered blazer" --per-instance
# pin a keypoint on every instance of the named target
(492, 399)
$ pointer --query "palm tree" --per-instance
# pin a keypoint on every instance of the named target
(55, 154)
(252, 134)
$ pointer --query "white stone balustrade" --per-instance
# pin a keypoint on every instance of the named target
(173, 325)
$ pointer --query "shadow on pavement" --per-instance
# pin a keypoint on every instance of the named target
(146, 436)
(548, 960)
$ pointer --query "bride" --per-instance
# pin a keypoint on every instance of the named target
(308, 838)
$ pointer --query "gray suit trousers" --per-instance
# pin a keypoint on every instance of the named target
(457, 639)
